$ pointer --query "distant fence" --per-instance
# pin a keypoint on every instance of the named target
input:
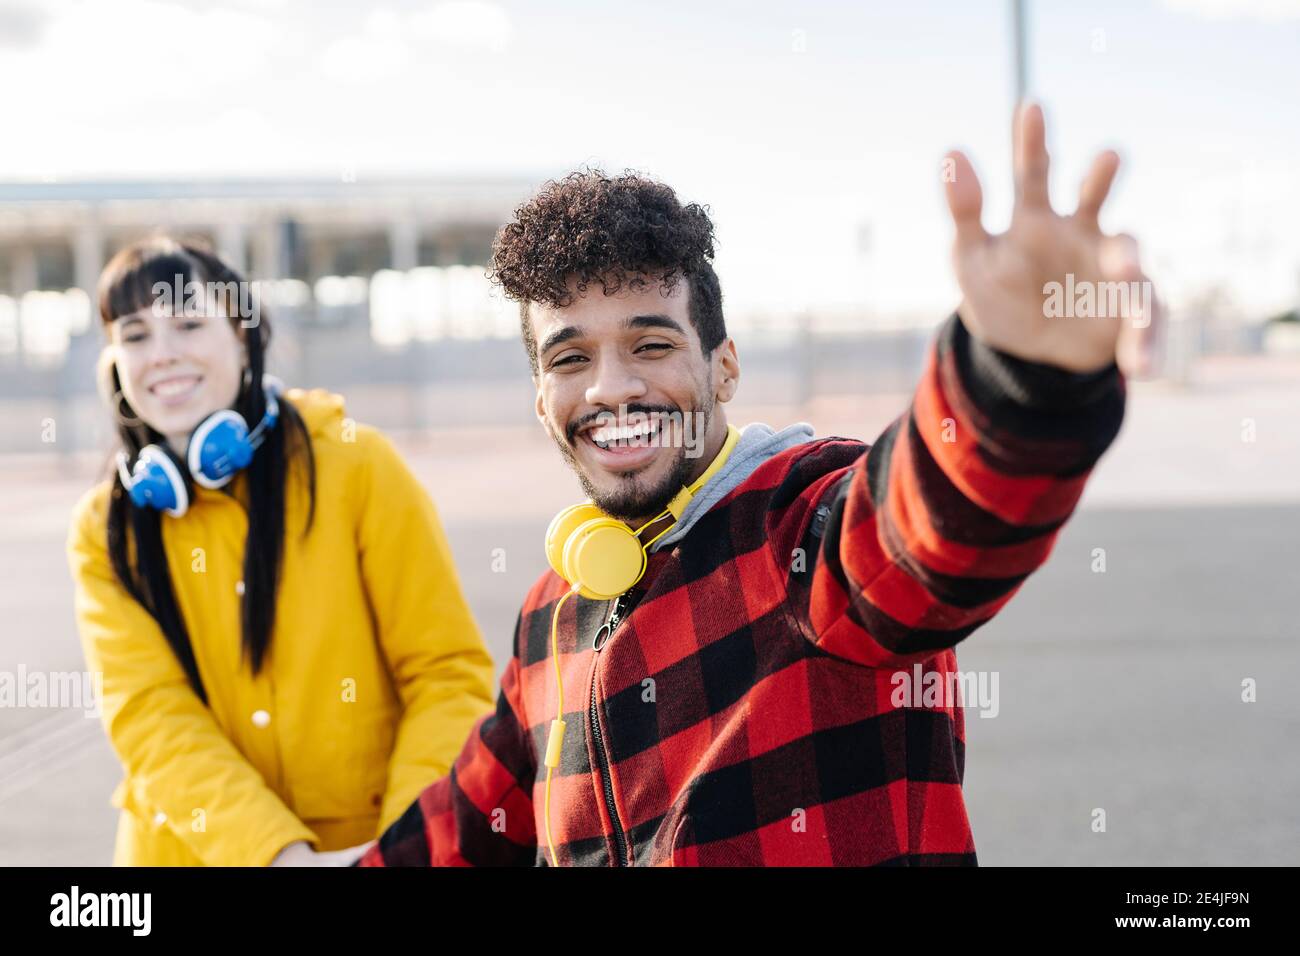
(430, 347)
(439, 381)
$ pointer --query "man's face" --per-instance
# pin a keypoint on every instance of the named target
(626, 392)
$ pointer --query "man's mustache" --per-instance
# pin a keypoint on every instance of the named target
(627, 411)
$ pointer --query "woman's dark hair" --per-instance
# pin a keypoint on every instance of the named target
(609, 230)
(128, 285)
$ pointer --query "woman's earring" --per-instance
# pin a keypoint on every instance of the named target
(118, 400)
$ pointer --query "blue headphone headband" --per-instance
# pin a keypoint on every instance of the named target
(219, 447)
(222, 444)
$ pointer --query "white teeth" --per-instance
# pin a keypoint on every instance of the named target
(607, 434)
(173, 387)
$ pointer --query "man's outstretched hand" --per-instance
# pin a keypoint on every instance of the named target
(1002, 277)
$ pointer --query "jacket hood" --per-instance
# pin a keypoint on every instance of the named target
(321, 410)
(758, 443)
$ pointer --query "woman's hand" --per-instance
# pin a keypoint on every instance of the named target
(1005, 279)
(300, 853)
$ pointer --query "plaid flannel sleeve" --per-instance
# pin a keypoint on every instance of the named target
(932, 530)
(481, 814)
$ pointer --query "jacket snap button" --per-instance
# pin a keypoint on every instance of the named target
(159, 818)
(239, 588)
(261, 718)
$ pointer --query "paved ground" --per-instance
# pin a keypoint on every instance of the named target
(1118, 691)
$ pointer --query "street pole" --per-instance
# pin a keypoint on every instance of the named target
(1019, 50)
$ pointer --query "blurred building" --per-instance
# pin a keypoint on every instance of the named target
(364, 281)
(55, 238)
(58, 235)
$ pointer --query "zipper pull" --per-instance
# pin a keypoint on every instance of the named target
(607, 629)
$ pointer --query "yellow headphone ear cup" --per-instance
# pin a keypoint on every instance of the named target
(561, 529)
(604, 558)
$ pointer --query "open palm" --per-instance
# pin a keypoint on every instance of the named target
(1005, 278)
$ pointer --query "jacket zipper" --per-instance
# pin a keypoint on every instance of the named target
(602, 638)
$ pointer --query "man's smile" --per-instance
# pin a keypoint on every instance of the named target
(620, 449)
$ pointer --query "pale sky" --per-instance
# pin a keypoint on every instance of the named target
(813, 130)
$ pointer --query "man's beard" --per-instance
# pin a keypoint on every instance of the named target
(633, 498)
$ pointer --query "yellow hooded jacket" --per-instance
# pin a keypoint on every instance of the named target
(375, 675)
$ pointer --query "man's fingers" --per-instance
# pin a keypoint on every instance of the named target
(1096, 187)
(1118, 258)
(1133, 297)
(1140, 334)
(965, 198)
(1029, 152)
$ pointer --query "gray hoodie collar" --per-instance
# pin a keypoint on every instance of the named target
(758, 443)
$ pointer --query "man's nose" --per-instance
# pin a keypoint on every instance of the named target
(615, 383)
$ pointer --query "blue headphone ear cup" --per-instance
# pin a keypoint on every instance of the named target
(158, 483)
(218, 448)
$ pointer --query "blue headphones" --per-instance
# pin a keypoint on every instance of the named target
(219, 447)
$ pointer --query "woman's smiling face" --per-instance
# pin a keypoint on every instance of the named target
(177, 369)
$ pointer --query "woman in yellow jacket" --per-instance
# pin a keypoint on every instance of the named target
(287, 658)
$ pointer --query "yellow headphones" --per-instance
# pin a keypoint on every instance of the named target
(601, 557)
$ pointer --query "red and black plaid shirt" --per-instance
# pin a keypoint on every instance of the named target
(740, 713)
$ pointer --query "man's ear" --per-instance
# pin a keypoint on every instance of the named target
(539, 405)
(726, 371)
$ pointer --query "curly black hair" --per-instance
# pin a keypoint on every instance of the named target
(608, 230)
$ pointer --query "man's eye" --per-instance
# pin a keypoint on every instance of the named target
(132, 339)
(567, 360)
(657, 346)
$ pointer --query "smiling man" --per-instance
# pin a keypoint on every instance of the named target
(735, 705)
(631, 383)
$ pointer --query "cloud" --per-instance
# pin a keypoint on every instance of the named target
(466, 25)
(390, 42)
(21, 25)
(104, 51)
(381, 50)
(1269, 11)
